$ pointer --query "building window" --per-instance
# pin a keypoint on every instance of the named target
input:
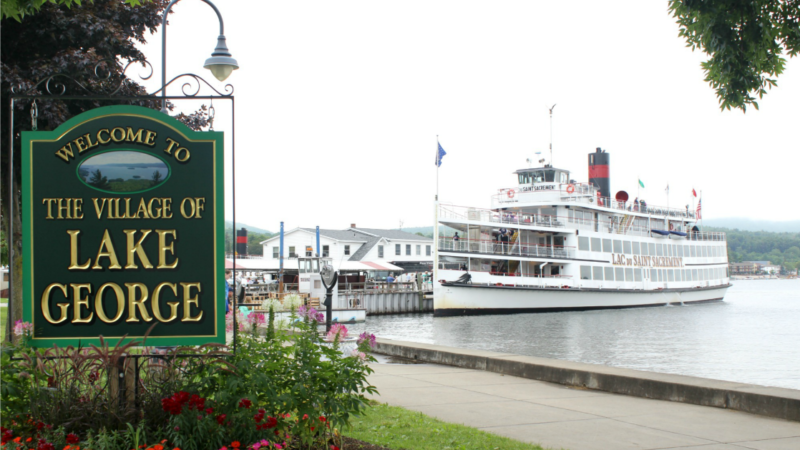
(380, 251)
(292, 254)
(325, 251)
(419, 250)
(408, 249)
(586, 272)
(276, 252)
(346, 249)
(583, 243)
(397, 250)
(596, 245)
(427, 250)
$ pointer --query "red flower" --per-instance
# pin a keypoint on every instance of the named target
(305, 416)
(209, 410)
(44, 445)
(245, 403)
(235, 444)
(322, 419)
(72, 439)
(312, 428)
(39, 425)
(197, 402)
(5, 435)
(221, 419)
(333, 447)
(271, 422)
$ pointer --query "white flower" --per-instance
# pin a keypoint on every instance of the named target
(274, 303)
(292, 302)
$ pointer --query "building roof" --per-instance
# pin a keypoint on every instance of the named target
(369, 236)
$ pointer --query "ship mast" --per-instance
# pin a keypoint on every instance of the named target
(551, 134)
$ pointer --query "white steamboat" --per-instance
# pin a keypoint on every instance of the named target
(551, 244)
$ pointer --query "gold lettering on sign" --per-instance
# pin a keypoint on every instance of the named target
(106, 250)
(73, 252)
(98, 302)
(79, 302)
(135, 303)
(46, 303)
(173, 305)
(163, 248)
(134, 249)
(188, 301)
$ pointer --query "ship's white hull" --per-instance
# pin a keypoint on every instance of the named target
(457, 300)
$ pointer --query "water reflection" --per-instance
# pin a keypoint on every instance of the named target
(752, 337)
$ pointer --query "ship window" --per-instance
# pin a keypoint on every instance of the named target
(628, 274)
(652, 247)
(571, 215)
(671, 275)
(609, 272)
(563, 177)
(617, 246)
(705, 251)
(597, 273)
(694, 275)
(658, 275)
(694, 251)
(638, 274)
(538, 177)
(687, 275)
(620, 273)
(636, 250)
(583, 243)
(596, 245)
(606, 245)
(627, 246)
(680, 251)
(586, 273)
(706, 274)
(659, 250)
(549, 175)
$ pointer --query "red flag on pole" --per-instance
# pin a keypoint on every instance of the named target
(694, 193)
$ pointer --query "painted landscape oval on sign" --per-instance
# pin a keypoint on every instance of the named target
(120, 171)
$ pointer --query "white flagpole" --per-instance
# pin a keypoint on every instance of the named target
(438, 164)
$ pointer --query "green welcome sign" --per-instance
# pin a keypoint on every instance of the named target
(123, 229)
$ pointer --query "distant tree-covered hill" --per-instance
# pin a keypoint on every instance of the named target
(778, 248)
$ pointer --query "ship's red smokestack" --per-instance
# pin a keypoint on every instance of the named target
(600, 172)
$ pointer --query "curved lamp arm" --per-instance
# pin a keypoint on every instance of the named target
(221, 55)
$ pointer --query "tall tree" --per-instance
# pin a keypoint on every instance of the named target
(17, 9)
(81, 41)
(744, 39)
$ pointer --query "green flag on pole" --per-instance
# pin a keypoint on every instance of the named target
(640, 183)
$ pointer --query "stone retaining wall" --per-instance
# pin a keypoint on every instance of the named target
(766, 401)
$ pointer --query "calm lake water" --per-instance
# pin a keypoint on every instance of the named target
(752, 337)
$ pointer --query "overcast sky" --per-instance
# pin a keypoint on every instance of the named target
(338, 105)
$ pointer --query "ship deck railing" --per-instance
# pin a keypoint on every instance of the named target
(489, 247)
(624, 227)
(587, 193)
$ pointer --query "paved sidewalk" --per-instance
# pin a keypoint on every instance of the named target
(557, 416)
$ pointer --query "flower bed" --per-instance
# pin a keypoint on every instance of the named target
(278, 391)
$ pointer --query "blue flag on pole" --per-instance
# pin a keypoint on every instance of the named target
(439, 154)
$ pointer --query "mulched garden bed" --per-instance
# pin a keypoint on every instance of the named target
(355, 444)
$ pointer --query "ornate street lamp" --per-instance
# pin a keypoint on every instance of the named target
(221, 63)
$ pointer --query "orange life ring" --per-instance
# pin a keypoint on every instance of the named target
(570, 189)
(510, 193)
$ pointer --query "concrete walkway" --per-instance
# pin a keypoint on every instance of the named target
(557, 416)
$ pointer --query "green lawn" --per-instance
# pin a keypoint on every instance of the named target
(3, 313)
(399, 428)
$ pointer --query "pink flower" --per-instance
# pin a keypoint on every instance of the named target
(364, 337)
(23, 328)
(338, 333)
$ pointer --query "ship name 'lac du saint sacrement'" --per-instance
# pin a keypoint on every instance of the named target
(553, 244)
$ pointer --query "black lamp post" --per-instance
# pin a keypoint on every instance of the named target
(221, 64)
(329, 279)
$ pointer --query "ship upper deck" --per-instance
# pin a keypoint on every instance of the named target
(526, 196)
